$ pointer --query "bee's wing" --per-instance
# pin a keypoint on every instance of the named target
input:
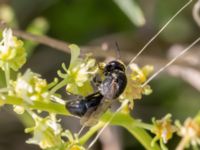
(113, 89)
(92, 115)
(87, 119)
(110, 89)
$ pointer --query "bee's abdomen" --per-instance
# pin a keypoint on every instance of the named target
(81, 106)
(77, 107)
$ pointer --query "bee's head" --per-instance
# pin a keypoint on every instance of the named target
(114, 65)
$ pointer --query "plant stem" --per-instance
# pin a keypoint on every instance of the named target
(7, 74)
(91, 132)
(144, 125)
(58, 86)
(133, 126)
(142, 136)
(39, 105)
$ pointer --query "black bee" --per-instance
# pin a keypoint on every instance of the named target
(90, 108)
(111, 87)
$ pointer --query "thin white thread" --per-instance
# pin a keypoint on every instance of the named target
(80, 131)
(107, 123)
(156, 35)
(172, 61)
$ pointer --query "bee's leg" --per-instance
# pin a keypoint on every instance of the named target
(74, 96)
(57, 99)
(71, 94)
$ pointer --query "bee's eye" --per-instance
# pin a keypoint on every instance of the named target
(109, 68)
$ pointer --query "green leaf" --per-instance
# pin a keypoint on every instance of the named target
(132, 11)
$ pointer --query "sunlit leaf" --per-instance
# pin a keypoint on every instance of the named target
(132, 11)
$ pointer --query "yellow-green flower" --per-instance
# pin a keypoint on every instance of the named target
(76, 147)
(80, 73)
(30, 87)
(190, 131)
(46, 132)
(163, 129)
(12, 52)
(73, 141)
(136, 78)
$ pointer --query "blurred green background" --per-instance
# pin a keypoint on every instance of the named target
(93, 22)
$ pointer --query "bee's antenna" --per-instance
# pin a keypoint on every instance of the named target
(172, 61)
(117, 50)
(107, 123)
(153, 38)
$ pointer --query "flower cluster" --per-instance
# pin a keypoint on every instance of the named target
(12, 52)
(79, 73)
(163, 129)
(46, 132)
(190, 131)
(73, 141)
(134, 88)
(31, 87)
